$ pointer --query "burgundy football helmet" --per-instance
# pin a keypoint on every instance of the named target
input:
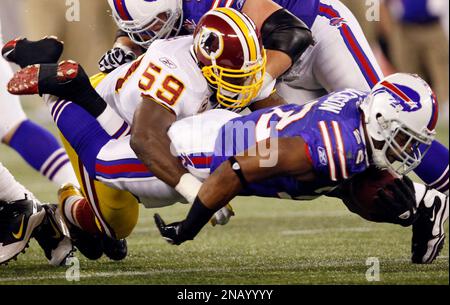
(229, 51)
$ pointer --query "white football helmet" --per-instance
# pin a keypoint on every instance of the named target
(147, 20)
(401, 113)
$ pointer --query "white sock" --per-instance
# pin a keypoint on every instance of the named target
(10, 189)
(68, 206)
(113, 124)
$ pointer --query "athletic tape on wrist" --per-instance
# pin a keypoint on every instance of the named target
(188, 187)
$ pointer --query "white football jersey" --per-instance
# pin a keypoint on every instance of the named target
(167, 74)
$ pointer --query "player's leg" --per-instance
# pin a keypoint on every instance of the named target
(343, 57)
(37, 146)
(353, 65)
(22, 216)
(84, 138)
(98, 215)
(429, 228)
(66, 80)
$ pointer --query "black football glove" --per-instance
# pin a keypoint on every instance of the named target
(397, 203)
(115, 58)
(172, 233)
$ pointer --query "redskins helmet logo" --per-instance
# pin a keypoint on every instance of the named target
(211, 43)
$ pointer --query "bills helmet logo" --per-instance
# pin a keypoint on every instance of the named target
(337, 21)
(404, 97)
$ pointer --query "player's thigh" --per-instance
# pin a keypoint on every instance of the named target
(118, 167)
(117, 211)
(11, 113)
(194, 139)
(343, 57)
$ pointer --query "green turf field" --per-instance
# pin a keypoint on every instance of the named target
(268, 242)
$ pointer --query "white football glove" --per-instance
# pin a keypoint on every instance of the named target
(222, 216)
(114, 58)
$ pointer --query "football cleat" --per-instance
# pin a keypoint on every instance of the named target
(24, 52)
(44, 78)
(53, 236)
(90, 246)
(18, 219)
(428, 230)
(115, 249)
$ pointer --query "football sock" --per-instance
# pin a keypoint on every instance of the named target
(113, 124)
(78, 212)
(68, 80)
(76, 87)
(42, 151)
(433, 170)
(81, 130)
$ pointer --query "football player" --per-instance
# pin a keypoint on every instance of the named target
(317, 148)
(100, 157)
(22, 217)
(36, 146)
(170, 71)
(339, 58)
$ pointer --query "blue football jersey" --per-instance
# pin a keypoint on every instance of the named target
(331, 127)
(193, 10)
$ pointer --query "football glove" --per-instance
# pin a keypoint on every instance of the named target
(222, 216)
(115, 58)
(172, 233)
(398, 202)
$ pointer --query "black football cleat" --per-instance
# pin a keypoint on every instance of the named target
(18, 220)
(88, 245)
(41, 79)
(428, 230)
(115, 249)
(24, 52)
(53, 236)
(66, 80)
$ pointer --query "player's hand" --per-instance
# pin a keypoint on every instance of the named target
(222, 216)
(398, 200)
(114, 58)
(172, 233)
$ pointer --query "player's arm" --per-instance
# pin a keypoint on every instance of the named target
(122, 52)
(284, 36)
(150, 141)
(232, 176)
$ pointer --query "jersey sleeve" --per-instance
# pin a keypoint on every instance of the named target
(336, 152)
